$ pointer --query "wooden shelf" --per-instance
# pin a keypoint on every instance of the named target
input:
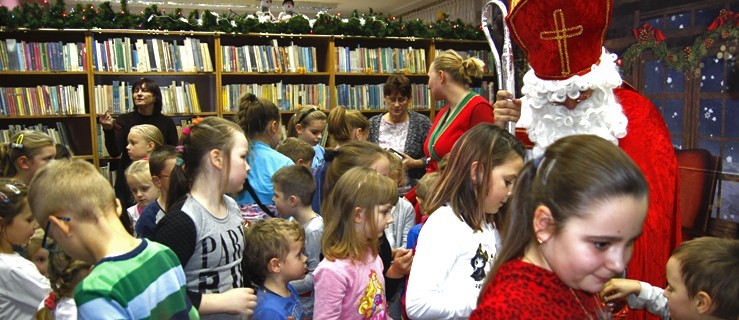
(83, 127)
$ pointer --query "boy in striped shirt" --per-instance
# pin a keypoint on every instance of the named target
(132, 278)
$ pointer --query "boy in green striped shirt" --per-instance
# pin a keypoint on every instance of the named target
(132, 278)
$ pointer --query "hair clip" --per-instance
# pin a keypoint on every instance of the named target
(186, 131)
(197, 121)
(4, 198)
(537, 160)
(18, 144)
(180, 148)
(179, 161)
(13, 188)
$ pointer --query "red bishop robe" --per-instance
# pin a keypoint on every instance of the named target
(648, 143)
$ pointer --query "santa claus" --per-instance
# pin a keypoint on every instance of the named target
(574, 87)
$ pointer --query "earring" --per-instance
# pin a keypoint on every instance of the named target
(539, 241)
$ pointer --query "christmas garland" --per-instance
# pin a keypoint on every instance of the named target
(688, 59)
(56, 16)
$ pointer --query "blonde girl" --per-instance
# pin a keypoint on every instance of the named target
(460, 239)
(23, 287)
(203, 225)
(64, 274)
(345, 126)
(308, 125)
(349, 282)
(27, 152)
(35, 252)
(138, 177)
(142, 139)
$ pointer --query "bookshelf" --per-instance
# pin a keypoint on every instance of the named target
(60, 79)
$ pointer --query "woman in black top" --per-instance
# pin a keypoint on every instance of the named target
(147, 97)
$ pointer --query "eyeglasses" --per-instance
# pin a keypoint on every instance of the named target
(51, 247)
(401, 100)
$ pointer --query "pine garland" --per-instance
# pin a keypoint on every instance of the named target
(33, 16)
(688, 59)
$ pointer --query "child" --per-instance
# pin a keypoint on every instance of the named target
(349, 282)
(345, 126)
(37, 253)
(80, 211)
(142, 139)
(260, 120)
(64, 273)
(203, 225)
(294, 188)
(703, 279)
(139, 180)
(308, 125)
(339, 161)
(23, 287)
(29, 151)
(458, 240)
(298, 151)
(568, 232)
(403, 215)
(423, 190)
(62, 152)
(161, 162)
(274, 257)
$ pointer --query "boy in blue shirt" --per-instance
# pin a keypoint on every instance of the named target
(273, 257)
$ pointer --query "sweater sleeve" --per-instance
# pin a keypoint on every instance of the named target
(170, 133)
(35, 287)
(652, 299)
(331, 287)
(177, 231)
(481, 112)
(434, 259)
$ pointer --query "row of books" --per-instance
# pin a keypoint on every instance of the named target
(58, 132)
(381, 60)
(42, 100)
(485, 55)
(118, 98)
(269, 58)
(371, 96)
(285, 96)
(42, 56)
(151, 55)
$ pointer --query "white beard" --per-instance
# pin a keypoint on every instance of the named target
(546, 121)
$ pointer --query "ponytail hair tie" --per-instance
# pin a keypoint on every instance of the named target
(331, 154)
(50, 301)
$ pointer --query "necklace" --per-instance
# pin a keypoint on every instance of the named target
(584, 310)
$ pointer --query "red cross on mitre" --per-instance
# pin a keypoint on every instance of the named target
(561, 38)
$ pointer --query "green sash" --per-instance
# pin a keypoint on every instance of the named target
(445, 123)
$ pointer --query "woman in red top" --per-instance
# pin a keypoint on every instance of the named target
(450, 77)
(573, 219)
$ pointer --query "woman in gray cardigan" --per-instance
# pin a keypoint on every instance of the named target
(400, 129)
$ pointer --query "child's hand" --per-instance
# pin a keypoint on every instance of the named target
(618, 288)
(240, 300)
(402, 261)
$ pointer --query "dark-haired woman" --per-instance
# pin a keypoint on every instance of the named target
(401, 129)
(147, 97)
